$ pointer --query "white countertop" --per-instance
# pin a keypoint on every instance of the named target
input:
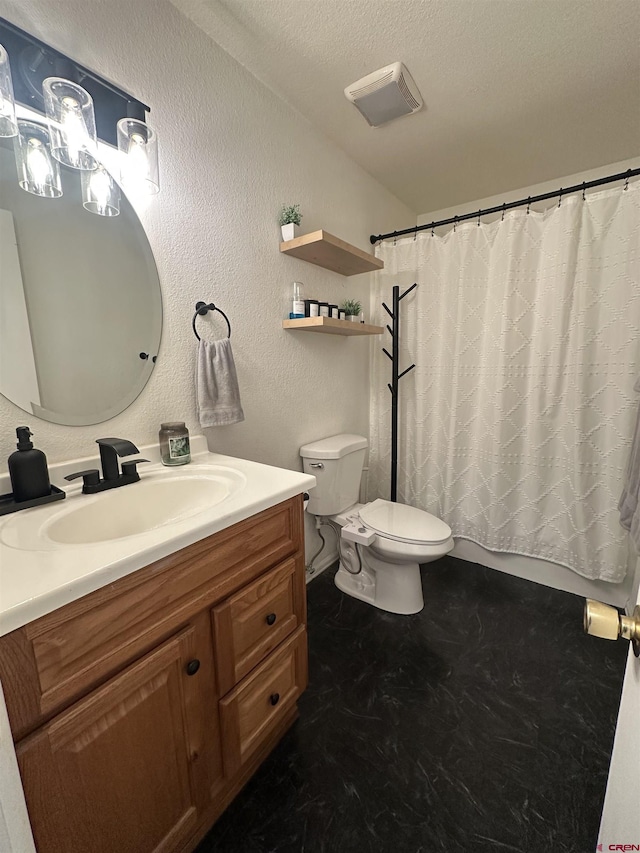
(37, 578)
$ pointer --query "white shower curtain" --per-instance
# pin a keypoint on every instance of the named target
(515, 426)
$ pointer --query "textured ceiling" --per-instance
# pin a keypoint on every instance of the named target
(516, 92)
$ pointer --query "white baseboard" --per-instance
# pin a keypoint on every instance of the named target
(545, 573)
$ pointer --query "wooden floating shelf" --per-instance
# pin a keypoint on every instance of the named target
(331, 326)
(325, 250)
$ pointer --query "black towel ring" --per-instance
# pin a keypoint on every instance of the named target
(202, 308)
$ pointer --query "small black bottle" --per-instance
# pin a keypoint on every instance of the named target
(28, 469)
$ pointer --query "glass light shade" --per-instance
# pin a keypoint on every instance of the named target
(100, 193)
(8, 123)
(138, 146)
(72, 123)
(38, 172)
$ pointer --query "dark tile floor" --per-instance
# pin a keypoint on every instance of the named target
(484, 723)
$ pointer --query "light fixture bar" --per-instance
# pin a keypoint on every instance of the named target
(32, 61)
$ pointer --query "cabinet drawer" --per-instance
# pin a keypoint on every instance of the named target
(250, 624)
(251, 711)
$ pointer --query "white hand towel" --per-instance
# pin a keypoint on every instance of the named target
(217, 392)
(629, 505)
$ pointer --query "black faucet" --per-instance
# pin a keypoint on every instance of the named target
(112, 478)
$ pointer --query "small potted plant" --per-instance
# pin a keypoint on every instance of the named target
(289, 220)
(352, 309)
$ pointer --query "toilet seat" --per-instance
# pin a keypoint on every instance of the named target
(402, 523)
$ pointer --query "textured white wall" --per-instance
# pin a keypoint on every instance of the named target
(231, 153)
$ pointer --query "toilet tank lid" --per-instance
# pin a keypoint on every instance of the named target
(334, 447)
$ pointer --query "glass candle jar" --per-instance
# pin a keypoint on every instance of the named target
(311, 307)
(174, 443)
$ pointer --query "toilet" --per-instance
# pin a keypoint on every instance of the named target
(381, 543)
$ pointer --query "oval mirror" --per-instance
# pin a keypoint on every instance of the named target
(80, 303)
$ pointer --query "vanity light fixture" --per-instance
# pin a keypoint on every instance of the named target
(72, 123)
(8, 123)
(80, 108)
(38, 172)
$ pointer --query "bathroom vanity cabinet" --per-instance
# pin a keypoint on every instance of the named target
(139, 711)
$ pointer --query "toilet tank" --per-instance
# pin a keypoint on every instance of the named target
(336, 463)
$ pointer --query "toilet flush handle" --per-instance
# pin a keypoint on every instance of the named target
(316, 465)
(601, 620)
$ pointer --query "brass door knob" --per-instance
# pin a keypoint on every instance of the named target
(601, 620)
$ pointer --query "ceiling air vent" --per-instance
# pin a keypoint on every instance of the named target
(386, 94)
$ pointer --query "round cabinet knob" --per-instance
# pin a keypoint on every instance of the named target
(271, 618)
(274, 698)
(192, 667)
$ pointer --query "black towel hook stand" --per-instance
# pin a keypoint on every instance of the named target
(396, 376)
(202, 308)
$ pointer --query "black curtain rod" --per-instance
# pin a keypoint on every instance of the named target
(578, 188)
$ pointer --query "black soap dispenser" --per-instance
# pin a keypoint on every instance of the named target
(28, 469)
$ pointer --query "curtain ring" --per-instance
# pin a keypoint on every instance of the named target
(626, 181)
(479, 212)
(455, 222)
(584, 189)
(504, 207)
(395, 237)
(415, 234)
(560, 197)
(433, 233)
(528, 205)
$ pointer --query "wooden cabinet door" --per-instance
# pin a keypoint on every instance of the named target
(121, 771)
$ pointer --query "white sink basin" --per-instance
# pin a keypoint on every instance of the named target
(158, 499)
(137, 508)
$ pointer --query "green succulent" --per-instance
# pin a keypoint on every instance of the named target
(351, 307)
(290, 214)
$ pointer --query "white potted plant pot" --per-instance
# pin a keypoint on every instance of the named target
(289, 231)
(355, 318)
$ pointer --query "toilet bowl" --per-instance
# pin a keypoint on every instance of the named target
(386, 572)
(382, 567)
